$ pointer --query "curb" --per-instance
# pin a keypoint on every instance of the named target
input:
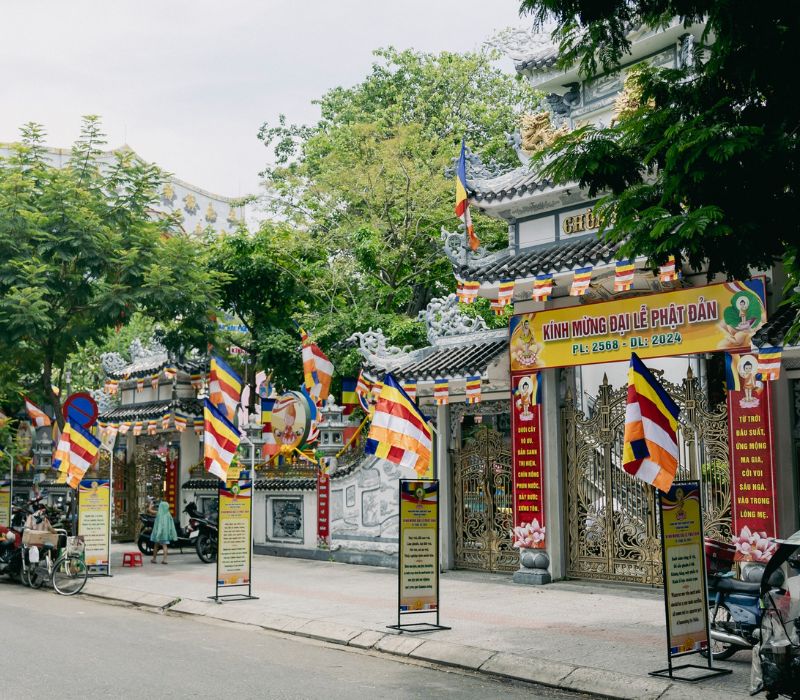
(595, 682)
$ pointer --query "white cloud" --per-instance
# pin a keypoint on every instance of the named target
(187, 83)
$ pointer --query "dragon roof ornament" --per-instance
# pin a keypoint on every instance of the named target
(374, 347)
(443, 318)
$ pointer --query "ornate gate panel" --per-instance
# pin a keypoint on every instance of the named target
(483, 502)
(612, 518)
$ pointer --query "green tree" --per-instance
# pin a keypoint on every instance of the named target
(81, 251)
(707, 164)
(367, 184)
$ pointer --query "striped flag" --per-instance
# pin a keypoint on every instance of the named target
(224, 387)
(165, 421)
(140, 385)
(38, 417)
(462, 198)
(83, 450)
(399, 432)
(61, 455)
(769, 363)
(196, 380)
(181, 421)
(580, 281)
(650, 452)
(152, 427)
(313, 416)
(317, 369)
(623, 275)
(198, 428)
(124, 428)
(667, 271)
(542, 287)
(473, 389)
(270, 446)
(220, 440)
(467, 292)
(505, 292)
(375, 390)
(497, 306)
(137, 427)
(363, 388)
(111, 386)
(410, 387)
(349, 397)
(441, 391)
(733, 380)
(154, 381)
(170, 372)
(108, 436)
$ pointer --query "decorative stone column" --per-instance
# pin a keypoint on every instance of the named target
(533, 567)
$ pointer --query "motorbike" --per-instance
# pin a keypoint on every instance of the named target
(734, 604)
(187, 536)
(776, 656)
(207, 533)
(11, 545)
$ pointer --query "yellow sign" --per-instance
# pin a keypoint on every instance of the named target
(94, 521)
(687, 321)
(233, 560)
(419, 546)
(5, 503)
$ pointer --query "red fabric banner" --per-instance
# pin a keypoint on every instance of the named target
(323, 509)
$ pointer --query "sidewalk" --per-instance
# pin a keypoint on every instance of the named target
(594, 638)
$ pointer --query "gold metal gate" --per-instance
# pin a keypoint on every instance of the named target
(483, 503)
(612, 518)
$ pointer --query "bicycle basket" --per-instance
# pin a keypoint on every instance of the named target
(76, 545)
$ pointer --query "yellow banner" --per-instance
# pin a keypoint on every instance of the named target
(5, 503)
(93, 520)
(684, 322)
(233, 560)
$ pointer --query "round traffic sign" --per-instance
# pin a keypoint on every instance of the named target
(80, 409)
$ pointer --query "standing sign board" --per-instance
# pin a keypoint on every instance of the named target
(526, 432)
(235, 540)
(683, 561)
(418, 569)
(94, 523)
(752, 469)
(323, 508)
(5, 503)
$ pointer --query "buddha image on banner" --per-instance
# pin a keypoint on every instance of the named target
(290, 420)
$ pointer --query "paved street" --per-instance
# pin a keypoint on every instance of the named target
(76, 648)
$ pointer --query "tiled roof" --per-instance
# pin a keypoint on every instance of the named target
(774, 331)
(147, 366)
(452, 360)
(517, 182)
(537, 62)
(552, 258)
(152, 410)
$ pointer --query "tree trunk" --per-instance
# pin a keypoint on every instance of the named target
(251, 401)
(54, 398)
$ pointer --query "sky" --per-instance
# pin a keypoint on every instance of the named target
(187, 83)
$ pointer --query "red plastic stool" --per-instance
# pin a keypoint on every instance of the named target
(132, 559)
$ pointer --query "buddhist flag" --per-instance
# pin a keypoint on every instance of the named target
(467, 292)
(462, 199)
(154, 381)
(580, 281)
(313, 416)
(181, 421)
(542, 287)
(623, 275)
(140, 385)
(650, 452)
(363, 388)
(497, 306)
(769, 363)
(38, 417)
(399, 432)
(137, 427)
(441, 391)
(224, 387)
(473, 389)
(124, 427)
(733, 380)
(410, 387)
(317, 369)
(111, 386)
(61, 455)
(667, 271)
(108, 436)
(349, 396)
(83, 450)
(506, 292)
(270, 446)
(220, 440)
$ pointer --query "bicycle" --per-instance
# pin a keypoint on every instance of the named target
(67, 572)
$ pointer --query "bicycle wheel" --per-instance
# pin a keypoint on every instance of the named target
(69, 574)
(37, 574)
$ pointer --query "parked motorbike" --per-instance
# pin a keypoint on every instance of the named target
(776, 656)
(187, 536)
(207, 533)
(734, 604)
(11, 549)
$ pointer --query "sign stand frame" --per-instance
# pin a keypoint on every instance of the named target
(418, 627)
(669, 672)
(107, 572)
(233, 597)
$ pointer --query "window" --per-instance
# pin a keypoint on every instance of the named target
(285, 519)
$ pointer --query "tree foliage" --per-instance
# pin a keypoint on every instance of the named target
(367, 185)
(81, 251)
(708, 164)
